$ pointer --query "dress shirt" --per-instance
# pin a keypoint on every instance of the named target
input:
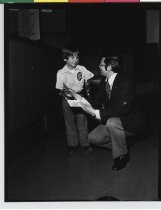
(111, 81)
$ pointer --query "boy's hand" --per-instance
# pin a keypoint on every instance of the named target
(66, 92)
(69, 92)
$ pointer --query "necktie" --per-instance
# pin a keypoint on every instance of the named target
(108, 90)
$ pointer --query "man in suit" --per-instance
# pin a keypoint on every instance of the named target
(115, 107)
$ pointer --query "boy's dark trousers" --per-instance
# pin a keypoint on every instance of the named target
(76, 125)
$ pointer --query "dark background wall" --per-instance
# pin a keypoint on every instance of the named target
(96, 29)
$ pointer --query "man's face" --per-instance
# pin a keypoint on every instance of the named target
(72, 60)
(104, 69)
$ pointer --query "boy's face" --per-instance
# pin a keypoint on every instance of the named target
(72, 60)
(104, 69)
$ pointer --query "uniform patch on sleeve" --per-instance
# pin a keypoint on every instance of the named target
(79, 76)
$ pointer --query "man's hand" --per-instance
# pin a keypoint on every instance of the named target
(86, 106)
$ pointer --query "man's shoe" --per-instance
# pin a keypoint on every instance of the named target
(120, 162)
(72, 149)
(87, 149)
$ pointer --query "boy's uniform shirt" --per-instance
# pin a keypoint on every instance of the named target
(73, 79)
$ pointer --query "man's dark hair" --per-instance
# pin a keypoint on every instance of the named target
(113, 61)
(69, 50)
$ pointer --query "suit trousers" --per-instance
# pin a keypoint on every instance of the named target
(76, 125)
(112, 136)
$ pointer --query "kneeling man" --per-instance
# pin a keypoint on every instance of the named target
(115, 107)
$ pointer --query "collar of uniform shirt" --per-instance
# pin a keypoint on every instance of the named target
(111, 79)
(70, 70)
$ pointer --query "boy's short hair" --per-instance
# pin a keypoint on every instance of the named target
(69, 50)
(113, 61)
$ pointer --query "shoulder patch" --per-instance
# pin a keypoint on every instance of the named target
(79, 76)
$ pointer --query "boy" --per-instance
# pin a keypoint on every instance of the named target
(74, 77)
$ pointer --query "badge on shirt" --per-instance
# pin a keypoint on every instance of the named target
(79, 76)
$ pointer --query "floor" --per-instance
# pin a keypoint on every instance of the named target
(48, 173)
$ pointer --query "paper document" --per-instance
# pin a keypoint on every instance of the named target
(74, 103)
(83, 103)
(79, 101)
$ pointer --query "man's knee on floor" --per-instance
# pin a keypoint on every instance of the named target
(96, 140)
(112, 122)
(92, 138)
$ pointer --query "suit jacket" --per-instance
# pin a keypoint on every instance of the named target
(121, 104)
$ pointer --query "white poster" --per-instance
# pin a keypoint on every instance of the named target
(28, 20)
